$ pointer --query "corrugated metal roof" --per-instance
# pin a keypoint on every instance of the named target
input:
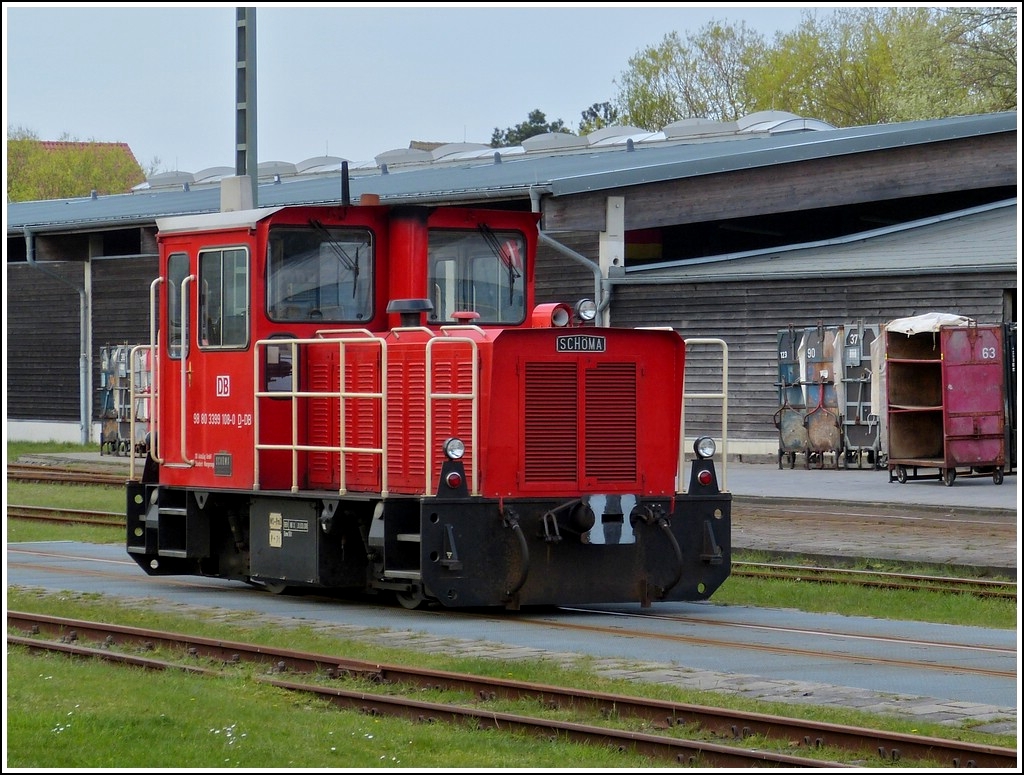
(985, 239)
(514, 173)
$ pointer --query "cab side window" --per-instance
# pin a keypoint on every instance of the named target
(224, 298)
(177, 271)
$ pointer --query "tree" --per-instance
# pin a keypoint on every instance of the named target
(835, 69)
(700, 76)
(69, 168)
(985, 43)
(534, 125)
(854, 66)
(873, 65)
(24, 153)
(598, 116)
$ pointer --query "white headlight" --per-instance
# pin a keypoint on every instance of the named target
(454, 448)
(704, 447)
(586, 310)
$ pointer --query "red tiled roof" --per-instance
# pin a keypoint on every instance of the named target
(59, 145)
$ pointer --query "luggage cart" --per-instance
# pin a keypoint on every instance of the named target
(946, 405)
(789, 419)
(117, 370)
(861, 436)
(823, 422)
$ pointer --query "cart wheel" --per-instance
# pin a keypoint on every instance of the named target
(901, 474)
(997, 477)
(949, 476)
(792, 460)
(122, 448)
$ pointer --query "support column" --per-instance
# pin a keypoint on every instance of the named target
(612, 247)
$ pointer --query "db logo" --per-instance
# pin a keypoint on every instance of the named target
(223, 386)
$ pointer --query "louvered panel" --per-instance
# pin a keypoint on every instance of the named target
(406, 422)
(362, 422)
(551, 423)
(323, 420)
(610, 442)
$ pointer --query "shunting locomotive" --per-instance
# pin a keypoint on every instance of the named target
(367, 397)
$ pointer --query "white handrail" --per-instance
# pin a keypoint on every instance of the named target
(184, 357)
(473, 397)
(723, 395)
(341, 338)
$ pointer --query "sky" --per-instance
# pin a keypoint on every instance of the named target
(351, 80)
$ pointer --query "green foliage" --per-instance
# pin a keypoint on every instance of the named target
(72, 169)
(856, 66)
(534, 125)
(597, 116)
(985, 41)
(699, 76)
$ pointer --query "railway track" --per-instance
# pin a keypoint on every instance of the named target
(729, 731)
(990, 588)
(66, 516)
(22, 472)
(986, 588)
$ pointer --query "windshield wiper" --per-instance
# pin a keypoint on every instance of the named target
(503, 255)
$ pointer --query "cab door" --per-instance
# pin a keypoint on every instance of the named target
(207, 415)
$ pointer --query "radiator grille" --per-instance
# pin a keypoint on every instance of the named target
(551, 424)
(611, 422)
(562, 422)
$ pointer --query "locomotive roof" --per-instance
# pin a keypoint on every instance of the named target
(234, 219)
(609, 159)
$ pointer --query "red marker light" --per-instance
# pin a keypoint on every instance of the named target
(453, 480)
(704, 477)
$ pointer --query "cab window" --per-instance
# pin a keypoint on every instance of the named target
(223, 298)
(320, 273)
(479, 271)
(177, 271)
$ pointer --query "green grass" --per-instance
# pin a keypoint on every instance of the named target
(852, 600)
(16, 449)
(52, 697)
(66, 714)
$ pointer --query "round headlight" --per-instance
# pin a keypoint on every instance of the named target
(704, 447)
(454, 448)
(586, 310)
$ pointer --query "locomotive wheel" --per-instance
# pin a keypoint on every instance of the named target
(412, 600)
(274, 588)
(949, 476)
(901, 474)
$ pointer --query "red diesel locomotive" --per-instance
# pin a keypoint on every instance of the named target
(367, 398)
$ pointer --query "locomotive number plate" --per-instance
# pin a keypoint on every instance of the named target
(580, 344)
